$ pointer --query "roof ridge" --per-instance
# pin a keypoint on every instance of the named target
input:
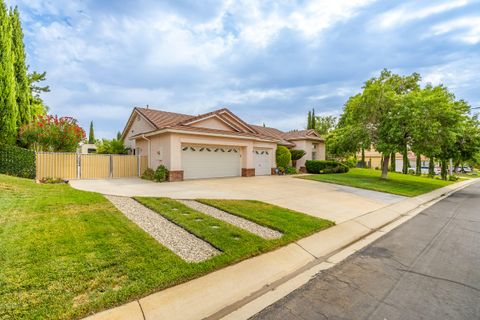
(163, 111)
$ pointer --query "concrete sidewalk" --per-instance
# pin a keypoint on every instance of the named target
(232, 292)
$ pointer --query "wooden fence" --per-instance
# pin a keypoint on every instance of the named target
(88, 166)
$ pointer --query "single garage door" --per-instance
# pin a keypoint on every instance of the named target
(261, 162)
(210, 162)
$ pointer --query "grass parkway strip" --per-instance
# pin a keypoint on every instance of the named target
(397, 183)
(66, 253)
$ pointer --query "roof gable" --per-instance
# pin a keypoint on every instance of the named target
(222, 117)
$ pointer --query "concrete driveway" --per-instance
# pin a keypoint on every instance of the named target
(329, 201)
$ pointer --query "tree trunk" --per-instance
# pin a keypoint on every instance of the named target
(385, 166)
(444, 169)
(418, 169)
(393, 162)
(431, 167)
(363, 158)
(406, 162)
(457, 164)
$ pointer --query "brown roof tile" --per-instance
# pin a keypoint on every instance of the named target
(172, 120)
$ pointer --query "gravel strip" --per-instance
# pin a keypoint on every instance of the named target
(245, 224)
(181, 242)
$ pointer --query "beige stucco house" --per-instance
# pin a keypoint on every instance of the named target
(214, 144)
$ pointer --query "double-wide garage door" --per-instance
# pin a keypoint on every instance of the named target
(210, 162)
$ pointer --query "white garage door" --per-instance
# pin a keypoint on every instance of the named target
(210, 162)
(261, 162)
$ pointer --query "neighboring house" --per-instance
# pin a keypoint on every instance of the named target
(214, 144)
(85, 148)
(374, 160)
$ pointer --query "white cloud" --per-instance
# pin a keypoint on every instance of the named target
(466, 29)
(410, 12)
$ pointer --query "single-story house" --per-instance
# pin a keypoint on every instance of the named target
(214, 144)
(373, 159)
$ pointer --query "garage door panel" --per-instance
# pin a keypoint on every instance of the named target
(262, 162)
(210, 162)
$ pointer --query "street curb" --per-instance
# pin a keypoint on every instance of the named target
(243, 289)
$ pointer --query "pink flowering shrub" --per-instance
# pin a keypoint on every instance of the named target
(50, 133)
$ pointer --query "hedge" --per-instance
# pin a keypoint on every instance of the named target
(17, 161)
(325, 166)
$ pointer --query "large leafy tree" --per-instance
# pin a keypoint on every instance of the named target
(8, 105)
(325, 124)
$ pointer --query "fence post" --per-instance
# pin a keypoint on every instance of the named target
(79, 163)
(111, 166)
(138, 164)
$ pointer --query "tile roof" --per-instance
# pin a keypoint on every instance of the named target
(172, 120)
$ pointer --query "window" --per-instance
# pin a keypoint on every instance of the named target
(314, 152)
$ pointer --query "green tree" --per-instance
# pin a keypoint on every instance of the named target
(37, 105)
(113, 146)
(325, 124)
(386, 115)
(22, 88)
(8, 106)
(91, 134)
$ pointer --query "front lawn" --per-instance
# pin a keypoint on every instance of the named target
(66, 253)
(397, 183)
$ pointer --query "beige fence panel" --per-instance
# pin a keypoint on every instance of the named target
(143, 164)
(124, 166)
(94, 166)
(56, 165)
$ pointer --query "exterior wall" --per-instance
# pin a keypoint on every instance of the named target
(166, 149)
(139, 125)
(308, 147)
(212, 123)
(84, 148)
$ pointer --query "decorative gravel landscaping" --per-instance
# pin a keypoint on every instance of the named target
(66, 253)
(181, 242)
(245, 224)
(397, 183)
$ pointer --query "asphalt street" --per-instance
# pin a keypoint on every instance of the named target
(428, 268)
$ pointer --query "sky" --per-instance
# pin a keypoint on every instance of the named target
(267, 61)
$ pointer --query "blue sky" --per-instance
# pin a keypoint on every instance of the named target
(268, 61)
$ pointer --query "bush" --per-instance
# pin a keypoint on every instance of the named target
(291, 170)
(148, 174)
(283, 156)
(325, 166)
(17, 161)
(50, 133)
(161, 174)
(351, 162)
(411, 171)
(453, 178)
(52, 180)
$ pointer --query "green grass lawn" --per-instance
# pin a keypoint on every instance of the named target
(397, 183)
(65, 253)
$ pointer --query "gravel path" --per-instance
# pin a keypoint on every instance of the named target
(245, 224)
(181, 242)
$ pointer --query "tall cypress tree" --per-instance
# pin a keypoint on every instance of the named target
(314, 119)
(309, 120)
(22, 90)
(8, 106)
(91, 135)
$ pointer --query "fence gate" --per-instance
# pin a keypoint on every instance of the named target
(88, 166)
